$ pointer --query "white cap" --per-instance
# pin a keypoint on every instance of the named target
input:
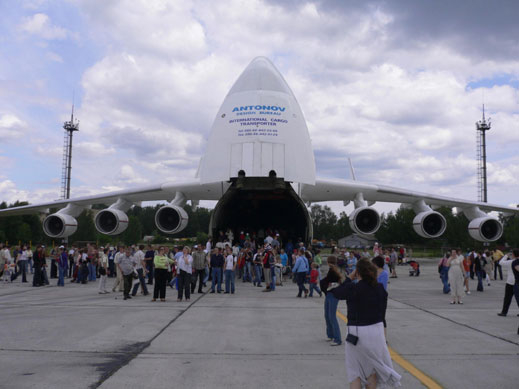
(61, 247)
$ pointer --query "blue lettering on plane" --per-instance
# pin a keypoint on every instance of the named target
(259, 108)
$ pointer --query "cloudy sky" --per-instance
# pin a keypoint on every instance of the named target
(395, 85)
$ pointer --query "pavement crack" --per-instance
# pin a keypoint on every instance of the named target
(125, 355)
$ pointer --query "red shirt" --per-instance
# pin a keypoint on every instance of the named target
(313, 276)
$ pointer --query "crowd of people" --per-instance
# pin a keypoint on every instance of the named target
(360, 277)
(456, 268)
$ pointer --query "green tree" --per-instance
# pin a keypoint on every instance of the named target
(324, 221)
(86, 230)
(133, 234)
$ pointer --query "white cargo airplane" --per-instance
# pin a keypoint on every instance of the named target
(259, 166)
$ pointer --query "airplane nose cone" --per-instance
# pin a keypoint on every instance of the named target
(261, 74)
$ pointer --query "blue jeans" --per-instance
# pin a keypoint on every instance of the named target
(216, 273)
(206, 277)
(257, 270)
(333, 331)
(272, 279)
(61, 276)
(91, 272)
(445, 279)
(247, 273)
(142, 283)
(314, 287)
(229, 281)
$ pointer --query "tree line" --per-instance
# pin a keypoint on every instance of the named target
(396, 228)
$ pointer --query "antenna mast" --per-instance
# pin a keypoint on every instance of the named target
(69, 128)
(481, 127)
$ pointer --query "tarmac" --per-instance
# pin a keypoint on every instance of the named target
(73, 337)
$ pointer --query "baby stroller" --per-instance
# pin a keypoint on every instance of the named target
(414, 270)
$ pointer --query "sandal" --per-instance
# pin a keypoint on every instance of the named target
(153, 300)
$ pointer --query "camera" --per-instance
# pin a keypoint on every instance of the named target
(353, 339)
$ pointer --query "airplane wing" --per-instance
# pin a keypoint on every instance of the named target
(427, 223)
(191, 191)
(346, 190)
(113, 220)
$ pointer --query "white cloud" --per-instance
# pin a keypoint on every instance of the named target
(11, 127)
(372, 85)
(40, 25)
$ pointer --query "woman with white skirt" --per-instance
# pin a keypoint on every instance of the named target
(456, 274)
(368, 362)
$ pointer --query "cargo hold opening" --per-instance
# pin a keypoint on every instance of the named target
(254, 203)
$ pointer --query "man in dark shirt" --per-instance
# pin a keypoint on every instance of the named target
(148, 257)
(217, 262)
(39, 262)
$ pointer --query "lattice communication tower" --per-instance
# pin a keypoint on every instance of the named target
(482, 126)
(69, 128)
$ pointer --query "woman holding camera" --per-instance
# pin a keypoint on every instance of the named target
(367, 356)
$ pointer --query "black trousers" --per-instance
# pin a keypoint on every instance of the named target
(199, 275)
(70, 267)
(128, 280)
(509, 293)
(159, 288)
(21, 267)
(37, 278)
(300, 277)
(53, 269)
(184, 284)
(497, 267)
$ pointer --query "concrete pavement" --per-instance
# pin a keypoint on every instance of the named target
(73, 337)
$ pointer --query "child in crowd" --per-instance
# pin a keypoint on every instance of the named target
(7, 270)
(314, 279)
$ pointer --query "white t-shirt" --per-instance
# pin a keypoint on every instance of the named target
(185, 263)
(103, 259)
(139, 256)
(229, 262)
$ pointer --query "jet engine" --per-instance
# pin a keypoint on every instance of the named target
(429, 224)
(485, 229)
(365, 220)
(111, 221)
(171, 219)
(59, 225)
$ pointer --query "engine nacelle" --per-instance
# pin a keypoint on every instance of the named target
(365, 220)
(429, 224)
(485, 229)
(59, 225)
(171, 219)
(111, 221)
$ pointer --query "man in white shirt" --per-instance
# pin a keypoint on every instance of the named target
(230, 268)
(119, 279)
(506, 263)
(126, 264)
(141, 269)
